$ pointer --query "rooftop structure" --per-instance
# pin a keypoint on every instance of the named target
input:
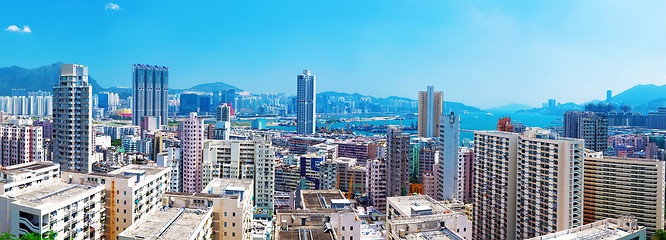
(435, 220)
(172, 224)
(623, 228)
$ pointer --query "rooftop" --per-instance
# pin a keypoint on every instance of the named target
(319, 199)
(445, 234)
(131, 171)
(607, 229)
(306, 233)
(170, 223)
(408, 205)
(49, 194)
(27, 167)
(228, 187)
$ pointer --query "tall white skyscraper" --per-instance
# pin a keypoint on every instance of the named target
(72, 126)
(449, 133)
(306, 103)
(223, 122)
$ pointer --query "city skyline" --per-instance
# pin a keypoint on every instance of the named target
(540, 46)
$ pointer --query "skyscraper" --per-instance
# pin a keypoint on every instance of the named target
(430, 109)
(150, 93)
(397, 167)
(590, 126)
(448, 165)
(306, 103)
(191, 134)
(222, 122)
(72, 126)
(526, 185)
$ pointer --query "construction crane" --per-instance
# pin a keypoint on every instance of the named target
(349, 190)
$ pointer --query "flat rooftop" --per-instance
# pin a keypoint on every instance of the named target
(50, 194)
(319, 199)
(434, 235)
(305, 233)
(219, 185)
(158, 224)
(606, 229)
(27, 167)
(405, 204)
(147, 170)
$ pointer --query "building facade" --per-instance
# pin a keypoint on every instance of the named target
(191, 136)
(21, 142)
(72, 122)
(448, 164)
(150, 92)
(397, 167)
(430, 110)
(306, 103)
(589, 126)
(623, 186)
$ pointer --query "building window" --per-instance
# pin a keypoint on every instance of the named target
(225, 214)
(343, 228)
(225, 224)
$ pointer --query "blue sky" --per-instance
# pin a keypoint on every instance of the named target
(482, 53)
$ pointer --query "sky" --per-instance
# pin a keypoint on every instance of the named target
(481, 53)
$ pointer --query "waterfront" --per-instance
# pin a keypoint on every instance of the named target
(471, 121)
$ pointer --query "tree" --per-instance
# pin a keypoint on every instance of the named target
(659, 235)
(50, 235)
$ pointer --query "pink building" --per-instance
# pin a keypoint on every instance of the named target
(465, 174)
(376, 183)
(638, 141)
(429, 180)
(191, 135)
(47, 127)
(21, 142)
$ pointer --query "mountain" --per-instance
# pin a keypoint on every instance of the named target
(511, 107)
(455, 106)
(206, 87)
(640, 94)
(41, 78)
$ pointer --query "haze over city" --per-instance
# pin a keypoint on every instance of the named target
(481, 53)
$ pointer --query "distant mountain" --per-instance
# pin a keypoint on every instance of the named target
(511, 107)
(640, 94)
(41, 78)
(206, 87)
(455, 106)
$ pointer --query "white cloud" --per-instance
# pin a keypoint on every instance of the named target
(112, 6)
(14, 28)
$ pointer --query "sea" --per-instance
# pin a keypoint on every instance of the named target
(471, 121)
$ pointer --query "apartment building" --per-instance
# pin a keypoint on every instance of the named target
(21, 142)
(35, 200)
(622, 228)
(624, 186)
(240, 159)
(422, 217)
(131, 193)
(231, 201)
(171, 158)
(376, 181)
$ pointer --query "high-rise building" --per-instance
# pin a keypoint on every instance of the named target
(150, 92)
(191, 135)
(623, 186)
(236, 159)
(72, 123)
(189, 102)
(589, 126)
(449, 128)
(306, 103)
(465, 174)
(430, 110)
(397, 167)
(223, 122)
(526, 185)
(376, 183)
(21, 142)
(609, 96)
(621, 228)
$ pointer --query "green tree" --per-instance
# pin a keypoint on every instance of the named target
(658, 235)
(50, 235)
